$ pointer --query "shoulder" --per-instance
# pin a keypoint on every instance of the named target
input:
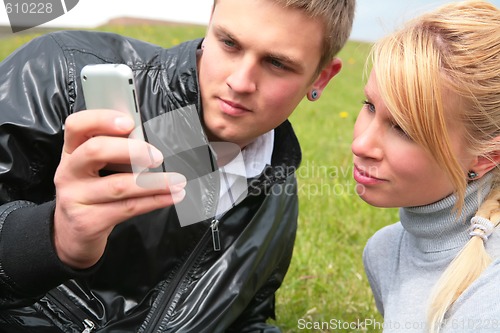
(380, 259)
(82, 38)
(493, 244)
(480, 300)
(110, 47)
(383, 247)
(85, 47)
(386, 239)
(286, 149)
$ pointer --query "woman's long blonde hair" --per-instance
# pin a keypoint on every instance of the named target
(448, 59)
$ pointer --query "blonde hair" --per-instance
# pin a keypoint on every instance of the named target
(337, 17)
(466, 267)
(448, 59)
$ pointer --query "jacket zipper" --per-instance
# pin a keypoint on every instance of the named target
(71, 310)
(174, 285)
(214, 226)
(89, 326)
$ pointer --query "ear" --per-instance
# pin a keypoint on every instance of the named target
(328, 72)
(484, 164)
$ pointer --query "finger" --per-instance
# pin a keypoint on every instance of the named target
(97, 152)
(119, 211)
(81, 243)
(172, 181)
(123, 186)
(83, 125)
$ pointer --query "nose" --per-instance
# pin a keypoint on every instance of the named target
(368, 138)
(243, 78)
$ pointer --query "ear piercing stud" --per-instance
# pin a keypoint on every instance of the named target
(471, 174)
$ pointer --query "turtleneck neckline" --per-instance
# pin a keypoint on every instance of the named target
(437, 227)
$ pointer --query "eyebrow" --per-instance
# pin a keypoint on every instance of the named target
(367, 94)
(294, 64)
(220, 31)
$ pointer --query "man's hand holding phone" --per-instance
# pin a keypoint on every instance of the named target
(88, 206)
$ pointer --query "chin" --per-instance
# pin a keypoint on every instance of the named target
(376, 202)
(226, 138)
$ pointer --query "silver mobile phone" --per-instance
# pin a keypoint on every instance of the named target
(111, 86)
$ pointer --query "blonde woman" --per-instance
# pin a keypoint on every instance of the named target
(428, 140)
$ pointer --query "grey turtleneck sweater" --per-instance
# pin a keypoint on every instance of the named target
(403, 262)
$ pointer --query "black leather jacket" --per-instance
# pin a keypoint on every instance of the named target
(155, 276)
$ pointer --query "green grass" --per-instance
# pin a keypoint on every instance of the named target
(326, 281)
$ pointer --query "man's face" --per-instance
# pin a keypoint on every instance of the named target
(258, 62)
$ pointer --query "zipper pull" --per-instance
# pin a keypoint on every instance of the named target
(89, 326)
(215, 234)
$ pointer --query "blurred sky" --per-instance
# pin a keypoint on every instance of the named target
(374, 18)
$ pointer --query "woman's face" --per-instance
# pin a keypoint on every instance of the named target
(390, 169)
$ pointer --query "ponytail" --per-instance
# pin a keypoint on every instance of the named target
(470, 262)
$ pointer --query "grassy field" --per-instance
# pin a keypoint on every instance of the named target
(326, 280)
(326, 288)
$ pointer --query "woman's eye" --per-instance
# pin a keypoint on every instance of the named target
(400, 131)
(370, 107)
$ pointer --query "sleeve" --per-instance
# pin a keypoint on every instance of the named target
(35, 98)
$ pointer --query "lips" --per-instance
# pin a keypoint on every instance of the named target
(232, 108)
(361, 176)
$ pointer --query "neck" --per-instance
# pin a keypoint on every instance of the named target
(438, 226)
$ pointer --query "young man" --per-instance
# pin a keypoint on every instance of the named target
(81, 249)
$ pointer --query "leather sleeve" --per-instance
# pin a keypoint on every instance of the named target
(34, 102)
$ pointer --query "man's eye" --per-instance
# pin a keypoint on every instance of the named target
(229, 43)
(277, 64)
